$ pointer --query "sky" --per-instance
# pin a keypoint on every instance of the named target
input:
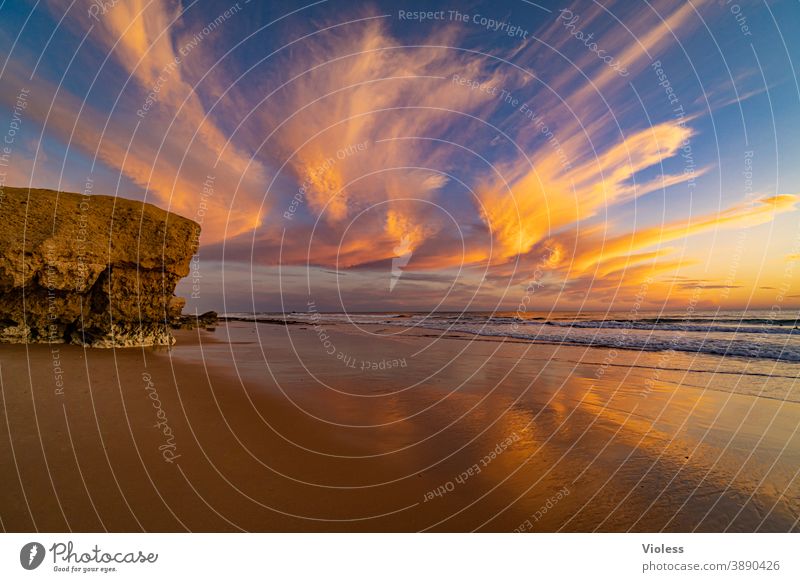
(423, 156)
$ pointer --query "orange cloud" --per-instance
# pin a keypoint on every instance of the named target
(538, 205)
(177, 145)
(741, 215)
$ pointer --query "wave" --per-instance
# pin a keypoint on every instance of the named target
(782, 352)
(721, 336)
(652, 325)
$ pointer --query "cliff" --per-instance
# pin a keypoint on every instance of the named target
(93, 270)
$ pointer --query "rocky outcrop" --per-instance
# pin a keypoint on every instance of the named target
(207, 320)
(88, 269)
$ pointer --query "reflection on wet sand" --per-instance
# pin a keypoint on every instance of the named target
(276, 434)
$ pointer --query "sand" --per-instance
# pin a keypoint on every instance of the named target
(261, 427)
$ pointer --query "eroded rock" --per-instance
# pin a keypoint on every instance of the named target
(93, 270)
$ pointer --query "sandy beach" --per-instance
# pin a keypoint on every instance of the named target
(263, 427)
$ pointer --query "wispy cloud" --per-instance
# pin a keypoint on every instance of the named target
(471, 155)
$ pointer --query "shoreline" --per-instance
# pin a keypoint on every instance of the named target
(307, 443)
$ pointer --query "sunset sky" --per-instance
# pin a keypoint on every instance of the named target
(577, 155)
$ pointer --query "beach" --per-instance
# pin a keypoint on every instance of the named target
(367, 427)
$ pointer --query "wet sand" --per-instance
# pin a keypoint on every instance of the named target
(296, 428)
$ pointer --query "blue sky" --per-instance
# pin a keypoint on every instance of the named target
(599, 146)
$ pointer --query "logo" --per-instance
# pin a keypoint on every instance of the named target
(402, 254)
(31, 555)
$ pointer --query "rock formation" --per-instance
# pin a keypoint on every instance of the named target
(88, 269)
(207, 320)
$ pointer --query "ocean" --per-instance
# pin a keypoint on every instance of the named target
(762, 335)
(746, 352)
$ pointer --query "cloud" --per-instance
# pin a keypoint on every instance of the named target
(539, 204)
(159, 135)
(595, 250)
(354, 140)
